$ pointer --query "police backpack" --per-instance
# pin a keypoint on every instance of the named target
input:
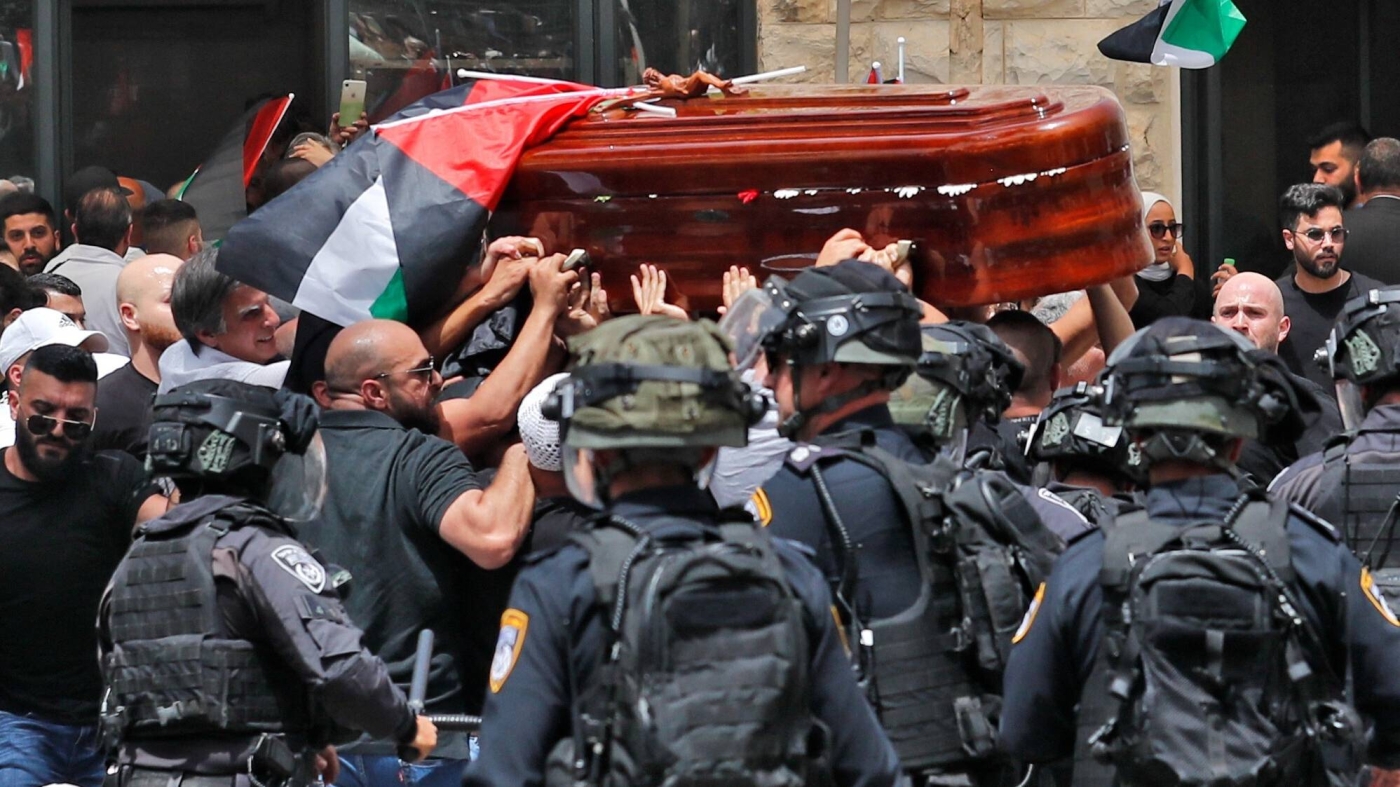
(706, 679)
(1208, 672)
(933, 672)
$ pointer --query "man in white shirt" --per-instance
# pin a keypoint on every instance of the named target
(228, 328)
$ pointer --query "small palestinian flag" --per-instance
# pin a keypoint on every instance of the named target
(1182, 33)
(386, 228)
(218, 189)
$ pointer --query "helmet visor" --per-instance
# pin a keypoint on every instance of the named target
(1351, 404)
(749, 319)
(581, 476)
(299, 483)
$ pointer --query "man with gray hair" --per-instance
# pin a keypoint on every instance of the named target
(228, 329)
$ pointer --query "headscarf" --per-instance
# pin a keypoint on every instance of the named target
(1157, 271)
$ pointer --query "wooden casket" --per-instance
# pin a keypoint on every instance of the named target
(1006, 192)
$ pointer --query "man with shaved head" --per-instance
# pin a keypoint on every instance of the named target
(408, 517)
(1252, 305)
(124, 396)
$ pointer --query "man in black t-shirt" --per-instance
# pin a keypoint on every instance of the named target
(1314, 295)
(68, 514)
(406, 515)
(124, 396)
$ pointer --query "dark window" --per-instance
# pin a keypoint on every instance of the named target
(17, 89)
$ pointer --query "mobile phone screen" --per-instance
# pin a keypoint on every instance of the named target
(352, 101)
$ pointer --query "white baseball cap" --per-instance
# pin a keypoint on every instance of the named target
(539, 434)
(41, 327)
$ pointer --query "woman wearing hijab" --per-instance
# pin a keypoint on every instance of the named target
(1167, 287)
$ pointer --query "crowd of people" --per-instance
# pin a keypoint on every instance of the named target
(1140, 534)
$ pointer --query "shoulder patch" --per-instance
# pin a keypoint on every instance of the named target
(299, 563)
(514, 623)
(1029, 619)
(761, 507)
(316, 608)
(1377, 597)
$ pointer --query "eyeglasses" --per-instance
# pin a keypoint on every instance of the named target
(1316, 234)
(1159, 229)
(73, 430)
(425, 371)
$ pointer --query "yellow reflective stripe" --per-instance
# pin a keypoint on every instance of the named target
(762, 508)
(1029, 619)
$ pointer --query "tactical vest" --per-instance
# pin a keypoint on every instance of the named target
(1363, 501)
(1208, 673)
(933, 671)
(705, 680)
(170, 666)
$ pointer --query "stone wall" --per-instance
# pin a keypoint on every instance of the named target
(968, 42)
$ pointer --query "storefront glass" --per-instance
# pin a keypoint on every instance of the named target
(677, 38)
(408, 49)
(17, 158)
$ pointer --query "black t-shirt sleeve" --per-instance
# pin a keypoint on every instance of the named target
(439, 473)
(127, 486)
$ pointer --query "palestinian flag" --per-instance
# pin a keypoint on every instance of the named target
(218, 189)
(386, 228)
(1182, 33)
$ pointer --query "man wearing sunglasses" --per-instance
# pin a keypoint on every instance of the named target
(1313, 230)
(68, 514)
(419, 529)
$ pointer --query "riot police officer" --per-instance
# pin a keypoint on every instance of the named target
(227, 657)
(1242, 613)
(960, 386)
(888, 516)
(1353, 483)
(1086, 463)
(671, 641)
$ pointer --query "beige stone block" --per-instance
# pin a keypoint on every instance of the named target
(926, 56)
(787, 45)
(797, 11)
(1138, 83)
(1119, 9)
(1056, 51)
(1149, 139)
(1033, 9)
(993, 52)
(911, 9)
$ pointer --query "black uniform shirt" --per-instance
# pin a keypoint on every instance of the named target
(1312, 315)
(388, 490)
(59, 544)
(124, 411)
(887, 575)
(559, 628)
(1052, 661)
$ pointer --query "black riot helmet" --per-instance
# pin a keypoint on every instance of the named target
(229, 437)
(1364, 352)
(965, 373)
(1182, 386)
(1070, 432)
(851, 313)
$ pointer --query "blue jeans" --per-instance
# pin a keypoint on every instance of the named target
(367, 770)
(35, 752)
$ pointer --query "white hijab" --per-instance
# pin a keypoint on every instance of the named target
(1157, 271)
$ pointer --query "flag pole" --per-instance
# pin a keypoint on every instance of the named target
(901, 59)
(843, 41)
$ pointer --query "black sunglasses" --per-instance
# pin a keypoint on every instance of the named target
(73, 430)
(1159, 229)
(1316, 234)
(425, 371)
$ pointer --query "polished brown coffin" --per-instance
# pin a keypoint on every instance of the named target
(1007, 192)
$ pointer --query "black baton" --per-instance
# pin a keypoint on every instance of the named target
(418, 687)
